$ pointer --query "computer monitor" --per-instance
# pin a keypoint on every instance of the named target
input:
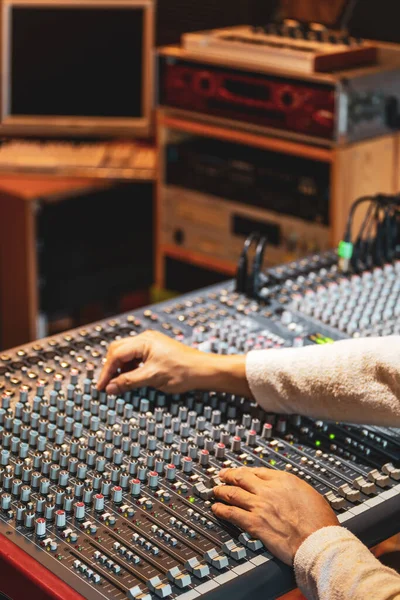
(74, 68)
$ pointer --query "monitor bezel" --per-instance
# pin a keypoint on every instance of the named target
(62, 126)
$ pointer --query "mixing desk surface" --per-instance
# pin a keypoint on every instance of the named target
(113, 494)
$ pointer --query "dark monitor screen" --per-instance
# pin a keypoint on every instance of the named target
(72, 61)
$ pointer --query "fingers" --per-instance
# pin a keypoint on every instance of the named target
(235, 496)
(121, 352)
(243, 477)
(237, 516)
(128, 381)
(264, 473)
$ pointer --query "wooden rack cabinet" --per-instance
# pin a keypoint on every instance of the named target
(19, 290)
(364, 168)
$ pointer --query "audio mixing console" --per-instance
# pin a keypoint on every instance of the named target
(113, 494)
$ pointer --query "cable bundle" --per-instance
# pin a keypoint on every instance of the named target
(377, 241)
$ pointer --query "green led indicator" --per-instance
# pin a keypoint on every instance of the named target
(192, 499)
(317, 443)
(332, 436)
(272, 462)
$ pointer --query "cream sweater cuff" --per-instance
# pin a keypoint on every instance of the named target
(332, 564)
(313, 552)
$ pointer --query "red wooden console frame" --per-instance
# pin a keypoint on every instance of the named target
(22, 577)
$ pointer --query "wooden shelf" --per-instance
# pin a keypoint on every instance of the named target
(242, 137)
(200, 260)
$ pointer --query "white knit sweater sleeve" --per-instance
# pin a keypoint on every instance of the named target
(354, 380)
(332, 564)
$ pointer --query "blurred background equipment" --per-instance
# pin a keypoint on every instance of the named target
(241, 78)
(74, 68)
(241, 145)
(72, 250)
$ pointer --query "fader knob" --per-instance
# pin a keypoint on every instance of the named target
(98, 502)
(176, 459)
(281, 425)
(40, 527)
(204, 457)
(5, 456)
(236, 444)
(220, 451)
(49, 511)
(60, 518)
(135, 487)
(183, 447)
(60, 494)
(25, 493)
(170, 472)
(240, 431)
(159, 466)
(29, 520)
(106, 487)
(187, 464)
(79, 510)
(225, 437)
(266, 431)
(251, 437)
(5, 501)
(209, 444)
(153, 479)
(151, 443)
(16, 486)
(20, 512)
(142, 473)
(200, 423)
(199, 440)
(88, 496)
(117, 494)
(40, 503)
(168, 436)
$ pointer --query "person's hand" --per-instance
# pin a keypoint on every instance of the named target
(155, 360)
(275, 507)
(152, 359)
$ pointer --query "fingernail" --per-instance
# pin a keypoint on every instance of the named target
(112, 388)
(222, 473)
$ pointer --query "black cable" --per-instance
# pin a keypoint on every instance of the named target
(387, 234)
(253, 283)
(394, 232)
(347, 14)
(241, 273)
(359, 244)
(376, 242)
(345, 249)
(371, 242)
(354, 206)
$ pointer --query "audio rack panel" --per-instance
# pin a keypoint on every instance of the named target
(113, 495)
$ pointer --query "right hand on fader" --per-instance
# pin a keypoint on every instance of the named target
(155, 360)
(278, 508)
